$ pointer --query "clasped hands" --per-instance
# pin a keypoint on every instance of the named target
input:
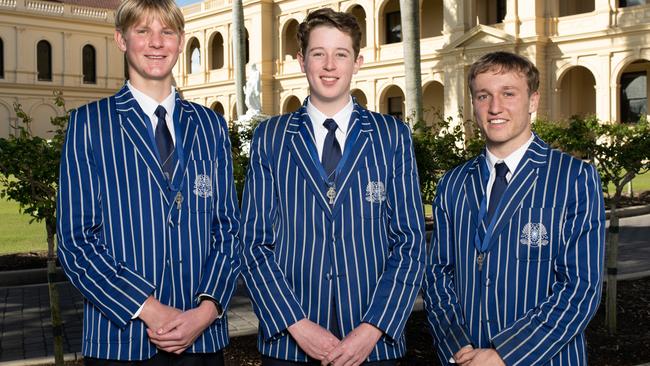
(172, 330)
(470, 356)
(320, 344)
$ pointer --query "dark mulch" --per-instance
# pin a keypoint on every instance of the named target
(630, 346)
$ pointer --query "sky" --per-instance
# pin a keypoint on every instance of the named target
(186, 2)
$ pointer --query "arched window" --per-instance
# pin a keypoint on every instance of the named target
(392, 22)
(216, 48)
(360, 14)
(2, 59)
(194, 64)
(44, 61)
(290, 44)
(89, 64)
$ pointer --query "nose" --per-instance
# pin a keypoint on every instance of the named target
(495, 105)
(330, 64)
(155, 40)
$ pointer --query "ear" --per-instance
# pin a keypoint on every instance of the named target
(533, 102)
(181, 42)
(358, 63)
(301, 61)
(120, 40)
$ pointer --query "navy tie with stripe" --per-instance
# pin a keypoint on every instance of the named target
(164, 143)
(499, 186)
(331, 149)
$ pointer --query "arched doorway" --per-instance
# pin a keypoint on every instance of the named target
(633, 91)
(217, 107)
(577, 93)
(359, 95)
(433, 101)
(393, 102)
(291, 104)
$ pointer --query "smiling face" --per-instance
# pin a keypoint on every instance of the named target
(503, 108)
(329, 63)
(152, 49)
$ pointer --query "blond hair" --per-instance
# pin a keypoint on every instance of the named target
(131, 12)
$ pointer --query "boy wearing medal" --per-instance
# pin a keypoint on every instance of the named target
(333, 229)
(515, 268)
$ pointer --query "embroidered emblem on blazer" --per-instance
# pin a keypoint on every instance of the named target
(202, 186)
(534, 235)
(375, 192)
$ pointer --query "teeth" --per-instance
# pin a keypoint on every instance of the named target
(497, 121)
(328, 78)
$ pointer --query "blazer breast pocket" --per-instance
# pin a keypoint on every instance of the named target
(539, 233)
(370, 192)
(201, 185)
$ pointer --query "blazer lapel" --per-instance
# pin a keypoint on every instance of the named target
(185, 120)
(522, 182)
(134, 123)
(477, 177)
(358, 141)
(300, 143)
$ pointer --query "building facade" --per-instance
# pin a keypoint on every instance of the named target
(593, 54)
(46, 46)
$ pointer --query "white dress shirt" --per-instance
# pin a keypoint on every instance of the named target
(511, 161)
(342, 118)
(149, 105)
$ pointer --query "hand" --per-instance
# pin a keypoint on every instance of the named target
(155, 314)
(460, 355)
(181, 332)
(315, 340)
(355, 348)
(481, 357)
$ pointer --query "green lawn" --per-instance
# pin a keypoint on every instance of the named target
(639, 184)
(16, 233)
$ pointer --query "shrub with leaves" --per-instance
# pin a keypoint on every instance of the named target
(440, 147)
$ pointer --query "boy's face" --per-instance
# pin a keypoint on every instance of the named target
(503, 109)
(329, 64)
(151, 48)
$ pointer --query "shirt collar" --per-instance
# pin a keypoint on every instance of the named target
(149, 105)
(512, 160)
(342, 117)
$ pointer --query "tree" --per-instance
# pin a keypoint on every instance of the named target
(29, 175)
(239, 56)
(440, 147)
(620, 152)
(410, 19)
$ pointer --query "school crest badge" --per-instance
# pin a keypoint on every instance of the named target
(534, 235)
(203, 186)
(375, 192)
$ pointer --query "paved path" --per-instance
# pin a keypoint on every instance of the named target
(25, 327)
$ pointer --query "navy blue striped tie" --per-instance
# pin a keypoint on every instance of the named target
(164, 143)
(331, 148)
(499, 186)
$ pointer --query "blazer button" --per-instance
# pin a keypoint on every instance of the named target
(328, 276)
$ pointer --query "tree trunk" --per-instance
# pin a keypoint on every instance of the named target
(55, 309)
(410, 17)
(239, 56)
(612, 266)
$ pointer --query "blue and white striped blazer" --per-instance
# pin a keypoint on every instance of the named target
(366, 250)
(540, 283)
(125, 233)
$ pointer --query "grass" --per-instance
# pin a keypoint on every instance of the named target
(639, 184)
(17, 235)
